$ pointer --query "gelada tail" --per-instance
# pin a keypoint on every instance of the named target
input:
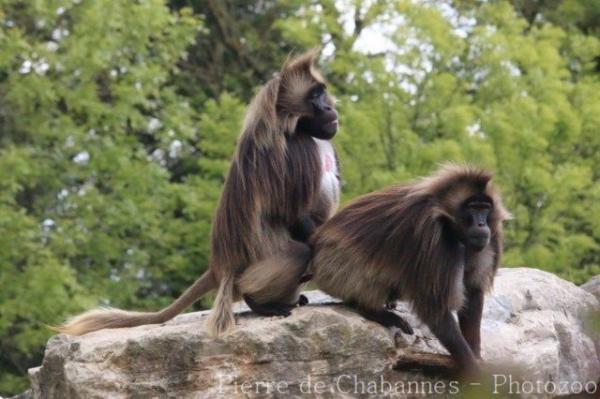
(99, 319)
(221, 319)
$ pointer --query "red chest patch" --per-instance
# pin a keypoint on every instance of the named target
(328, 163)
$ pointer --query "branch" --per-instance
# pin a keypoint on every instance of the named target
(226, 26)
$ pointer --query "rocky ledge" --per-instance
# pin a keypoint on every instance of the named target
(533, 320)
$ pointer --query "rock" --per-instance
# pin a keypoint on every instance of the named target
(533, 320)
(593, 286)
(28, 394)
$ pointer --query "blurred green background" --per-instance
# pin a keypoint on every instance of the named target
(118, 119)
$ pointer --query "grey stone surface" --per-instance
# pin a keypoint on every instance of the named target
(532, 320)
(593, 286)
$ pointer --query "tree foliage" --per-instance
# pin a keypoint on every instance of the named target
(118, 119)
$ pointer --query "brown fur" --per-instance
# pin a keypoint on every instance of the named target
(263, 280)
(273, 182)
(395, 244)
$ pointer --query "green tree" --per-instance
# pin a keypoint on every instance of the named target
(118, 120)
(479, 83)
(95, 206)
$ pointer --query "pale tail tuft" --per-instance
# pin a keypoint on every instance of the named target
(221, 318)
(98, 319)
